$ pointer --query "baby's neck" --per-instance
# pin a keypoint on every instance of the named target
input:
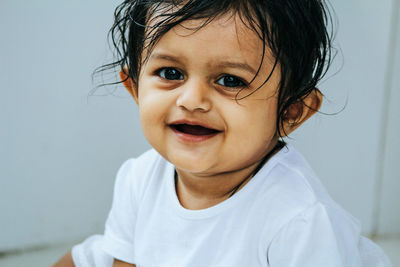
(199, 192)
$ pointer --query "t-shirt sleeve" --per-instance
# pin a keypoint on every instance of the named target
(315, 238)
(119, 233)
(89, 253)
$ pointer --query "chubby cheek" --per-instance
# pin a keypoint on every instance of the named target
(153, 112)
(252, 131)
(148, 132)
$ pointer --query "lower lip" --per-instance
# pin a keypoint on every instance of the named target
(192, 138)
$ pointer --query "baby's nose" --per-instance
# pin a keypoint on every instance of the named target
(195, 96)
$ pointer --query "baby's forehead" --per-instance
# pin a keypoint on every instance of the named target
(227, 25)
(224, 26)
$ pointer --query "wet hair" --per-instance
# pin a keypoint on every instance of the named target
(297, 32)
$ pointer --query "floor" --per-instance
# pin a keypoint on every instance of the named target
(46, 257)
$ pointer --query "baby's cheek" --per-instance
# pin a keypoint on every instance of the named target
(150, 121)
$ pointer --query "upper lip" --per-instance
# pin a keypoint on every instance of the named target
(193, 122)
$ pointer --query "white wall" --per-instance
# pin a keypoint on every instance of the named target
(388, 220)
(60, 150)
(344, 149)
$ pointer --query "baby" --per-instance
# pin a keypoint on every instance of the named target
(218, 85)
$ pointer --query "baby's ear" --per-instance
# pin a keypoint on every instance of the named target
(129, 84)
(301, 111)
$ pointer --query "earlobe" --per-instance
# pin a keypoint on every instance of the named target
(129, 84)
(301, 111)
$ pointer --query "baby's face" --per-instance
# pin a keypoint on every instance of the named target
(187, 92)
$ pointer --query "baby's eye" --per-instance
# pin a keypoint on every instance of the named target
(170, 74)
(231, 81)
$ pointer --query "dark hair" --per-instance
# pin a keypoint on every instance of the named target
(296, 32)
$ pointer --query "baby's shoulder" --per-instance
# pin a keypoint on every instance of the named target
(135, 174)
(293, 188)
(291, 181)
(137, 167)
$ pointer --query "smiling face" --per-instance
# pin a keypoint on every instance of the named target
(186, 97)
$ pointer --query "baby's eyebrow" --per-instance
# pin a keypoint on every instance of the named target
(221, 64)
(230, 64)
(164, 57)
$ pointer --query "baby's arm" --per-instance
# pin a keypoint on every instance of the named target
(66, 261)
(118, 263)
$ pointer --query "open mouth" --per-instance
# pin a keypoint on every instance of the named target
(196, 130)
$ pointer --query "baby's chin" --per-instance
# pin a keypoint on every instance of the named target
(192, 166)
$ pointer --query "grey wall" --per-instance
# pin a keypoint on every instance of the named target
(60, 149)
(346, 149)
(388, 209)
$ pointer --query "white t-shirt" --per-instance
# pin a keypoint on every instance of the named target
(282, 217)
